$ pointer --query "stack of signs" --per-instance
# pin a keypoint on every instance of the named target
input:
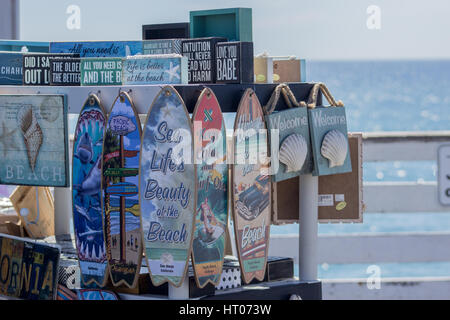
(101, 71)
(167, 188)
(201, 53)
(33, 140)
(11, 68)
(155, 69)
(163, 46)
(251, 188)
(122, 215)
(211, 215)
(234, 62)
(86, 193)
(36, 68)
(65, 72)
(28, 270)
(98, 48)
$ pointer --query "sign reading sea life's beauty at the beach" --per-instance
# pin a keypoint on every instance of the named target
(65, 72)
(101, 71)
(167, 188)
(36, 68)
(162, 46)
(251, 188)
(11, 68)
(28, 270)
(201, 54)
(155, 69)
(234, 62)
(33, 140)
(211, 215)
(98, 48)
(122, 217)
(86, 192)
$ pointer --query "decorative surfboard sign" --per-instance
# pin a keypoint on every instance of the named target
(211, 214)
(122, 216)
(86, 192)
(251, 188)
(167, 188)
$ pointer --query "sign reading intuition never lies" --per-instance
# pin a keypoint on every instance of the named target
(101, 71)
(33, 140)
(65, 72)
(36, 68)
(11, 68)
(98, 48)
(155, 69)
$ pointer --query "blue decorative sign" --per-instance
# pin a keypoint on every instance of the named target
(11, 69)
(162, 46)
(98, 48)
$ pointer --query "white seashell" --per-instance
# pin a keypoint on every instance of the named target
(334, 148)
(293, 152)
(32, 134)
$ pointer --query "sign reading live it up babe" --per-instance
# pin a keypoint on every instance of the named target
(28, 270)
(101, 71)
(33, 140)
(36, 68)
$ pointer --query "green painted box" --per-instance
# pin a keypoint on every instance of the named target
(235, 24)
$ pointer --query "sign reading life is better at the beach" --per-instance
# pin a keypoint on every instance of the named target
(167, 188)
(101, 71)
(33, 140)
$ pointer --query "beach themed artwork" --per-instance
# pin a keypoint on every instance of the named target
(11, 68)
(28, 270)
(122, 221)
(33, 140)
(86, 192)
(98, 48)
(96, 294)
(211, 214)
(167, 188)
(251, 188)
(161, 46)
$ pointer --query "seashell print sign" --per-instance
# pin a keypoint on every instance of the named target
(33, 140)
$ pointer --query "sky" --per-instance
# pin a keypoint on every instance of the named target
(310, 29)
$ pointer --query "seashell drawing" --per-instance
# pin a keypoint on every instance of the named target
(334, 148)
(293, 152)
(32, 133)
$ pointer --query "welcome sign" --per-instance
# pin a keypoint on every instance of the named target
(101, 71)
(11, 68)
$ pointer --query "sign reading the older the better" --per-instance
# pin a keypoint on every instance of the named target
(65, 72)
(201, 54)
(251, 188)
(163, 46)
(36, 68)
(168, 69)
(101, 71)
(11, 68)
(167, 188)
(33, 140)
(234, 62)
(28, 270)
(98, 48)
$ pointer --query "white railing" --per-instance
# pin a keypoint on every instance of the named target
(373, 248)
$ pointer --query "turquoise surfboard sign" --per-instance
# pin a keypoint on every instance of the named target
(211, 215)
(167, 188)
(86, 193)
(122, 217)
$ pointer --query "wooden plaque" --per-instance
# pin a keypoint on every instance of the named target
(234, 62)
(211, 214)
(98, 48)
(167, 188)
(251, 188)
(86, 192)
(65, 72)
(101, 71)
(11, 68)
(122, 215)
(36, 68)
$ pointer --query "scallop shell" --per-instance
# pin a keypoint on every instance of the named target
(334, 148)
(32, 133)
(293, 152)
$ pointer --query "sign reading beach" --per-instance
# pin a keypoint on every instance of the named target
(167, 188)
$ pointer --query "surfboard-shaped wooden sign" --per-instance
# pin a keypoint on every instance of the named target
(167, 188)
(86, 192)
(251, 188)
(211, 215)
(122, 215)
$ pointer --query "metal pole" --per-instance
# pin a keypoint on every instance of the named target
(308, 227)
(16, 19)
(181, 293)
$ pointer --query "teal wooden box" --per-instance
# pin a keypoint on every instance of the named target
(32, 46)
(235, 24)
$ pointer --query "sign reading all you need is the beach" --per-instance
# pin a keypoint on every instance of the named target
(33, 140)
(101, 71)
(167, 188)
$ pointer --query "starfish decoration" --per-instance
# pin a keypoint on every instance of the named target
(166, 111)
(7, 139)
(173, 72)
